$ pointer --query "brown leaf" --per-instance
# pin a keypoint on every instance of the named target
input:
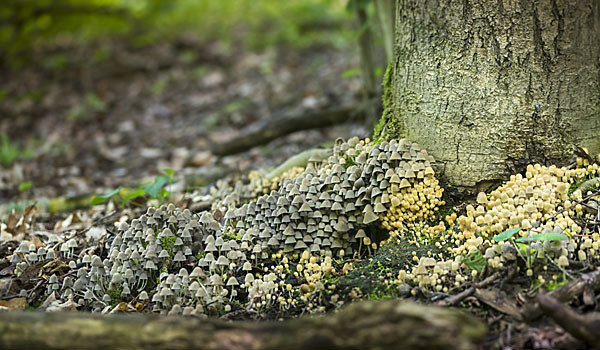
(56, 267)
(11, 223)
(37, 242)
(68, 305)
(17, 224)
(201, 159)
(139, 307)
(121, 307)
(218, 215)
(15, 303)
(49, 300)
(29, 212)
(31, 273)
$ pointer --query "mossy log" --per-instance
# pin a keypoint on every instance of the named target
(364, 325)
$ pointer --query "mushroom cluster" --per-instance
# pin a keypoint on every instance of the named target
(188, 263)
(537, 202)
(271, 243)
(542, 201)
(323, 207)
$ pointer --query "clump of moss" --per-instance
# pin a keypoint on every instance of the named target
(387, 128)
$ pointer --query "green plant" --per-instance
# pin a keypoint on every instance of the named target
(168, 244)
(101, 198)
(349, 162)
(351, 72)
(9, 152)
(25, 186)
(228, 236)
(115, 294)
(524, 250)
(159, 86)
(475, 261)
(154, 190)
(383, 292)
(84, 111)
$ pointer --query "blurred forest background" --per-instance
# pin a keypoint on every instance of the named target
(28, 25)
(95, 94)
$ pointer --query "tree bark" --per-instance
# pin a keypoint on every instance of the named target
(488, 87)
(385, 10)
(364, 325)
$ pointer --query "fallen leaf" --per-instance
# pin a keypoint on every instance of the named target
(54, 267)
(121, 307)
(68, 305)
(95, 233)
(14, 304)
(139, 307)
(49, 300)
(17, 304)
(37, 242)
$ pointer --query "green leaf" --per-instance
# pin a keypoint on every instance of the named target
(95, 102)
(548, 236)
(475, 261)
(351, 72)
(153, 188)
(25, 186)
(169, 172)
(524, 248)
(101, 198)
(135, 194)
(506, 234)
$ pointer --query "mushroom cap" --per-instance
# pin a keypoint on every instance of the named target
(360, 234)
(482, 198)
(222, 261)
(232, 281)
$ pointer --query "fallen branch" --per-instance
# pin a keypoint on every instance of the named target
(268, 130)
(585, 328)
(364, 325)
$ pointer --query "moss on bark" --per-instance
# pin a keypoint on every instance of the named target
(388, 127)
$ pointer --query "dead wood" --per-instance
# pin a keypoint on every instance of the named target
(268, 130)
(564, 294)
(585, 328)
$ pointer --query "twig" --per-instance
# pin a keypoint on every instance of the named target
(455, 299)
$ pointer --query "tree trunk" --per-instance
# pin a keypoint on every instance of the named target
(488, 87)
(364, 325)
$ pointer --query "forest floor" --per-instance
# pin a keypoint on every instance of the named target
(100, 122)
